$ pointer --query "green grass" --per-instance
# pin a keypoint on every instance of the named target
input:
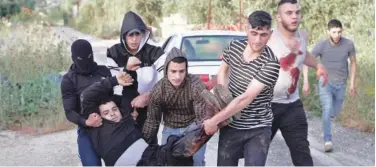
(29, 53)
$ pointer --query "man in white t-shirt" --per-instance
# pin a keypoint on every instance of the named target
(290, 46)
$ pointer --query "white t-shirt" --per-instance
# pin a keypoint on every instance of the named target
(286, 89)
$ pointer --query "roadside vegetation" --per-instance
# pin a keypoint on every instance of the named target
(31, 58)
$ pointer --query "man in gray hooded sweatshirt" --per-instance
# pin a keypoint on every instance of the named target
(177, 98)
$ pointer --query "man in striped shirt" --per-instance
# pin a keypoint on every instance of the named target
(250, 70)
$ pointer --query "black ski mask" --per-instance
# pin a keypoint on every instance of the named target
(82, 57)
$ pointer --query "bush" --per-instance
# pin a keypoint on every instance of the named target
(102, 18)
(12, 7)
(31, 57)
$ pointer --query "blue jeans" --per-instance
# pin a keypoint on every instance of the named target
(331, 99)
(198, 157)
(85, 149)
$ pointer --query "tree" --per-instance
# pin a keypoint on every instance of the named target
(150, 10)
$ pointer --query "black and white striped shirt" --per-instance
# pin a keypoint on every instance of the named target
(265, 69)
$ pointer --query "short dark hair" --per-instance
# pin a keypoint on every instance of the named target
(287, 1)
(179, 60)
(104, 100)
(334, 23)
(259, 19)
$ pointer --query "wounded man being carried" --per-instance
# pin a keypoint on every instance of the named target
(119, 143)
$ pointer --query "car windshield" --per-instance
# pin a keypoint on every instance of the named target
(204, 48)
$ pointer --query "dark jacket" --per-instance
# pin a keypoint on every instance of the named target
(111, 139)
(179, 106)
(119, 53)
(72, 85)
(117, 58)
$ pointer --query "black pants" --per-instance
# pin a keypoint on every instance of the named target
(291, 120)
(155, 155)
(252, 144)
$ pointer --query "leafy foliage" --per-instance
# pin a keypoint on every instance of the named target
(31, 57)
(12, 7)
(151, 10)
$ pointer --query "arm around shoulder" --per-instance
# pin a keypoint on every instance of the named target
(70, 98)
(154, 113)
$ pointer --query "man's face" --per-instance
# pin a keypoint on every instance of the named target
(176, 73)
(133, 40)
(335, 34)
(289, 16)
(257, 38)
(110, 111)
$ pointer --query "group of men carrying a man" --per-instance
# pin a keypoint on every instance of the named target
(119, 107)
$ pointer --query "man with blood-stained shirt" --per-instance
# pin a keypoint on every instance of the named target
(289, 45)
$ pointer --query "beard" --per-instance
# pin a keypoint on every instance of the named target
(334, 40)
(286, 26)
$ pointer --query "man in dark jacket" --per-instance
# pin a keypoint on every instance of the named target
(130, 54)
(177, 98)
(117, 140)
(82, 73)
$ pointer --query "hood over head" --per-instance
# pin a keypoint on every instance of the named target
(82, 57)
(175, 52)
(132, 22)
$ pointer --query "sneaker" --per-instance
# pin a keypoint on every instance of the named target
(328, 146)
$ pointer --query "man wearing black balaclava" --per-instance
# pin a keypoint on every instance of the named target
(82, 73)
(132, 53)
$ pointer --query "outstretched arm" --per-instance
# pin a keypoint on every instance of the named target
(154, 115)
(266, 77)
(305, 81)
(352, 69)
(70, 103)
(320, 70)
(91, 96)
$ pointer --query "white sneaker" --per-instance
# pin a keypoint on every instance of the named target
(328, 146)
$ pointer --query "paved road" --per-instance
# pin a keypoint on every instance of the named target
(351, 146)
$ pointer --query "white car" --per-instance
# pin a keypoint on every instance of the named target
(203, 49)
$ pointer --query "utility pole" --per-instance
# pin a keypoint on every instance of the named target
(209, 15)
(240, 14)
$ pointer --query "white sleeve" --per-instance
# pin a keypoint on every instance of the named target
(147, 77)
(114, 69)
(159, 64)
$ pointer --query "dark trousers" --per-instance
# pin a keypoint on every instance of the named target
(86, 150)
(252, 144)
(291, 120)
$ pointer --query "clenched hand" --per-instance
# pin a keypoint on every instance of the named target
(124, 79)
(140, 101)
(133, 63)
(94, 120)
(321, 71)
